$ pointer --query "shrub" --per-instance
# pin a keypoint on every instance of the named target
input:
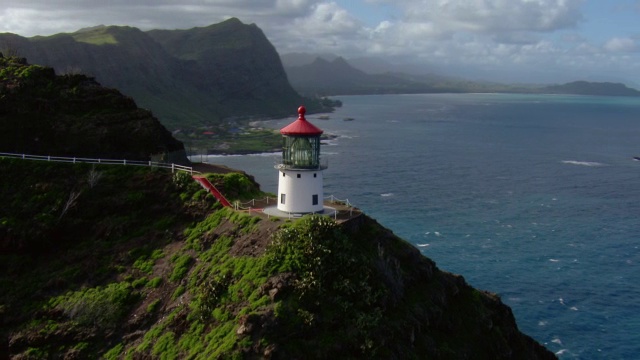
(153, 306)
(155, 282)
(327, 266)
(181, 266)
(101, 306)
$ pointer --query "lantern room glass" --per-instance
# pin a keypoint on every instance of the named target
(302, 152)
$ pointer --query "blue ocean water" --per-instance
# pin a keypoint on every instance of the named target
(533, 197)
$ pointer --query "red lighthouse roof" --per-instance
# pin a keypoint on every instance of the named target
(301, 126)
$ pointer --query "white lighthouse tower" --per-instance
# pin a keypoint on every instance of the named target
(300, 173)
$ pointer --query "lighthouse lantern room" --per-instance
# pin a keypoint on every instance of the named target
(300, 188)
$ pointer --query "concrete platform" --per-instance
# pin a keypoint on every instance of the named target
(273, 211)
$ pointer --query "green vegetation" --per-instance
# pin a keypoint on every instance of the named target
(221, 139)
(72, 115)
(99, 306)
(328, 267)
(98, 36)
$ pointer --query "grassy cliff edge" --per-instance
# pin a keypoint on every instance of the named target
(128, 263)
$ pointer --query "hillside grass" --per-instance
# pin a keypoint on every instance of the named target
(95, 37)
(81, 245)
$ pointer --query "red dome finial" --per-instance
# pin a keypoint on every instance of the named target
(301, 112)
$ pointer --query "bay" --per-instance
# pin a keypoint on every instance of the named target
(533, 197)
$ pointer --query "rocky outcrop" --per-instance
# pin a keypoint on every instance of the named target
(42, 113)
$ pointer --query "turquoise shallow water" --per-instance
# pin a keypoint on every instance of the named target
(533, 197)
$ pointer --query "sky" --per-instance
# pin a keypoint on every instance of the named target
(515, 41)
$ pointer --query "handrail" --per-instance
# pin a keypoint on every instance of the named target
(202, 180)
(172, 166)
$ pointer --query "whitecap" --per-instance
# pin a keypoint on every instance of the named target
(582, 163)
(557, 341)
(436, 233)
(423, 245)
(542, 323)
(561, 352)
(573, 308)
(386, 194)
(554, 260)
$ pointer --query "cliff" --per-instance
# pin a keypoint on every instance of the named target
(42, 113)
(139, 263)
(189, 78)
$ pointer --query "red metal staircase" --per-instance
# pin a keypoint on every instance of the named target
(212, 189)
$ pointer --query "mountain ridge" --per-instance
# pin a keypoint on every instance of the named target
(184, 93)
(329, 77)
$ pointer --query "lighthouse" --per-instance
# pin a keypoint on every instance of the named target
(300, 173)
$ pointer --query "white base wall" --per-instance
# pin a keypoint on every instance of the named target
(296, 190)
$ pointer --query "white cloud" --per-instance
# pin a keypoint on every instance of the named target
(491, 16)
(621, 45)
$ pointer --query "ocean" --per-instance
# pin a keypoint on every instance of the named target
(533, 197)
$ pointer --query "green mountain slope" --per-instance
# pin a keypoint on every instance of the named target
(144, 264)
(235, 65)
(42, 113)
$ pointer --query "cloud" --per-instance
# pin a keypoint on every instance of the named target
(490, 16)
(324, 27)
(621, 45)
(43, 17)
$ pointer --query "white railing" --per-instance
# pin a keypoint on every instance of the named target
(74, 160)
(249, 205)
(334, 199)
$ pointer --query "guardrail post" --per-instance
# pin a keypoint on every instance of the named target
(124, 162)
(173, 167)
(74, 159)
(48, 157)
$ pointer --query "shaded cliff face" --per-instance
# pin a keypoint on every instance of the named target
(188, 78)
(234, 64)
(72, 115)
(164, 271)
